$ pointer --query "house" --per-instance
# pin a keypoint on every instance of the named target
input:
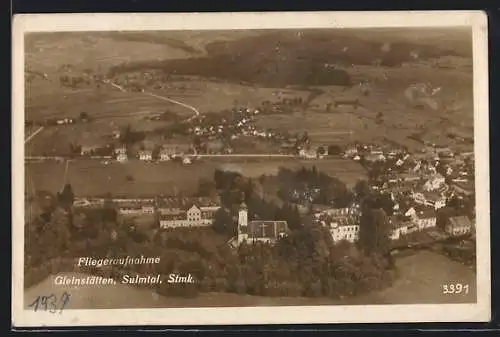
(173, 150)
(148, 209)
(194, 216)
(344, 229)
(425, 218)
(343, 223)
(465, 188)
(435, 182)
(87, 150)
(121, 157)
(373, 157)
(458, 225)
(265, 231)
(351, 151)
(410, 177)
(430, 199)
(121, 154)
(354, 210)
(308, 153)
(130, 209)
(399, 227)
(164, 155)
(146, 155)
(345, 102)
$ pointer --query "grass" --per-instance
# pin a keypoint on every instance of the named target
(46, 52)
(92, 178)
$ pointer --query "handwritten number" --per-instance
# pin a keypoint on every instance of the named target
(50, 303)
(35, 304)
(64, 299)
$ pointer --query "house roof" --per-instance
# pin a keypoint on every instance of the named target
(266, 229)
(460, 221)
(398, 221)
(173, 216)
(426, 213)
(186, 202)
(431, 196)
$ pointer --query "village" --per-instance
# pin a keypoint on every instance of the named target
(419, 185)
(313, 166)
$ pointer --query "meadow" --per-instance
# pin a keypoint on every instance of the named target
(93, 178)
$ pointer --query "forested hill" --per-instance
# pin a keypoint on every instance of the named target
(281, 58)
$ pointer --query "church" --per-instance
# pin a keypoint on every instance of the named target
(265, 231)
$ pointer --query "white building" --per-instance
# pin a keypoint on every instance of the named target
(343, 223)
(194, 216)
(426, 219)
(399, 227)
(121, 154)
(308, 154)
(164, 155)
(459, 225)
(135, 208)
(435, 182)
(430, 199)
(344, 231)
(145, 155)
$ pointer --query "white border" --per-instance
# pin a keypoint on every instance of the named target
(258, 315)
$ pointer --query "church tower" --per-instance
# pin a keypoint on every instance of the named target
(242, 223)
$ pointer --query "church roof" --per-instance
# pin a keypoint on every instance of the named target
(266, 229)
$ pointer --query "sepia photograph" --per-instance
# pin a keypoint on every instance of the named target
(308, 169)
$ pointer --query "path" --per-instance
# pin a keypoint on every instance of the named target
(65, 174)
(30, 137)
(190, 107)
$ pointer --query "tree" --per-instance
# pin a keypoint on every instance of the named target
(334, 150)
(373, 229)
(109, 213)
(156, 152)
(362, 189)
(321, 151)
(84, 116)
(223, 223)
(66, 197)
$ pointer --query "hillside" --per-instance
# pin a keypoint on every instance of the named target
(311, 57)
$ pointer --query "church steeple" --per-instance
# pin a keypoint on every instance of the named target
(242, 222)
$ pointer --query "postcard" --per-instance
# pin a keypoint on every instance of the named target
(250, 168)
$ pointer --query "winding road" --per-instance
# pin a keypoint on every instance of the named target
(190, 107)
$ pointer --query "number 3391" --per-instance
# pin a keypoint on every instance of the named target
(455, 288)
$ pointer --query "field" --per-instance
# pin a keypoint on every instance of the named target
(102, 51)
(402, 123)
(400, 118)
(93, 178)
(48, 52)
